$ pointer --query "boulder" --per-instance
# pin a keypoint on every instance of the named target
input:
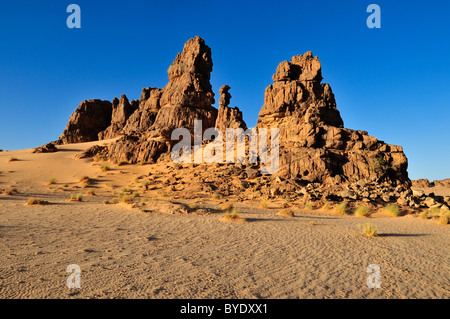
(47, 148)
(88, 120)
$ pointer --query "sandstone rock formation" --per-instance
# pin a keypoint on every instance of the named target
(314, 145)
(315, 148)
(88, 120)
(228, 117)
(47, 148)
(144, 117)
(121, 111)
(187, 97)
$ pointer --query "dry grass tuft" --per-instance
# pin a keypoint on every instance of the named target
(227, 206)
(327, 205)
(76, 198)
(393, 210)
(90, 192)
(127, 199)
(264, 205)
(217, 196)
(363, 211)
(10, 191)
(444, 219)
(286, 213)
(85, 181)
(233, 216)
(51, 181)
(341, 209)
(13, 159)
(35, 202)
(424, 215)
(105, 168)
(308, 206)
(370, 230)
(121, 163)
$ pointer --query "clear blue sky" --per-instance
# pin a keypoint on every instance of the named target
(392, 82)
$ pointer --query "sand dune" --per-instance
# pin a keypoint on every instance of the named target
(143, 252)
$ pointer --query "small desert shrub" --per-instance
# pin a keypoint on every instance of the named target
(136, 194)
(105, 168)
(13, 159)
(66, 185)
(143, 163)
(51, 181)
(341, 209)
(233, 216)
(370, 230)
(264, 205)
(76, 198)
(309, 207)
(217, 196)
(90, 192)
(192, 206)
(85, 181)
(11, 191)
(435, 212)
(226, 206)
(121, 163)
(444, 219)
(114, 201)
(424, 215)
(286, 213)
(84, 178)
(363, 211)
(106, 202)
(127, 199)
(393, 210)
(35, 201)
(327, 205)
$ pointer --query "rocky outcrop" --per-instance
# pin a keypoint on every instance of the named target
(88, 120)
(314, 145)
(121, 111)
(144, 117)
(187, 97)
(47, 148)
(228, 117)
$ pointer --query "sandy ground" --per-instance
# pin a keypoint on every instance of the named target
(128, 253)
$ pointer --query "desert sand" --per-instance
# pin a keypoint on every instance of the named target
(143, 252)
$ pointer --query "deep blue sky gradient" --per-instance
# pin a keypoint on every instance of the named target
(392, 82)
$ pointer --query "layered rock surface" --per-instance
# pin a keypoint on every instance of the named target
(187, 97)
(228, 117)
(121, 111)
(88, 120)
(314, 145)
